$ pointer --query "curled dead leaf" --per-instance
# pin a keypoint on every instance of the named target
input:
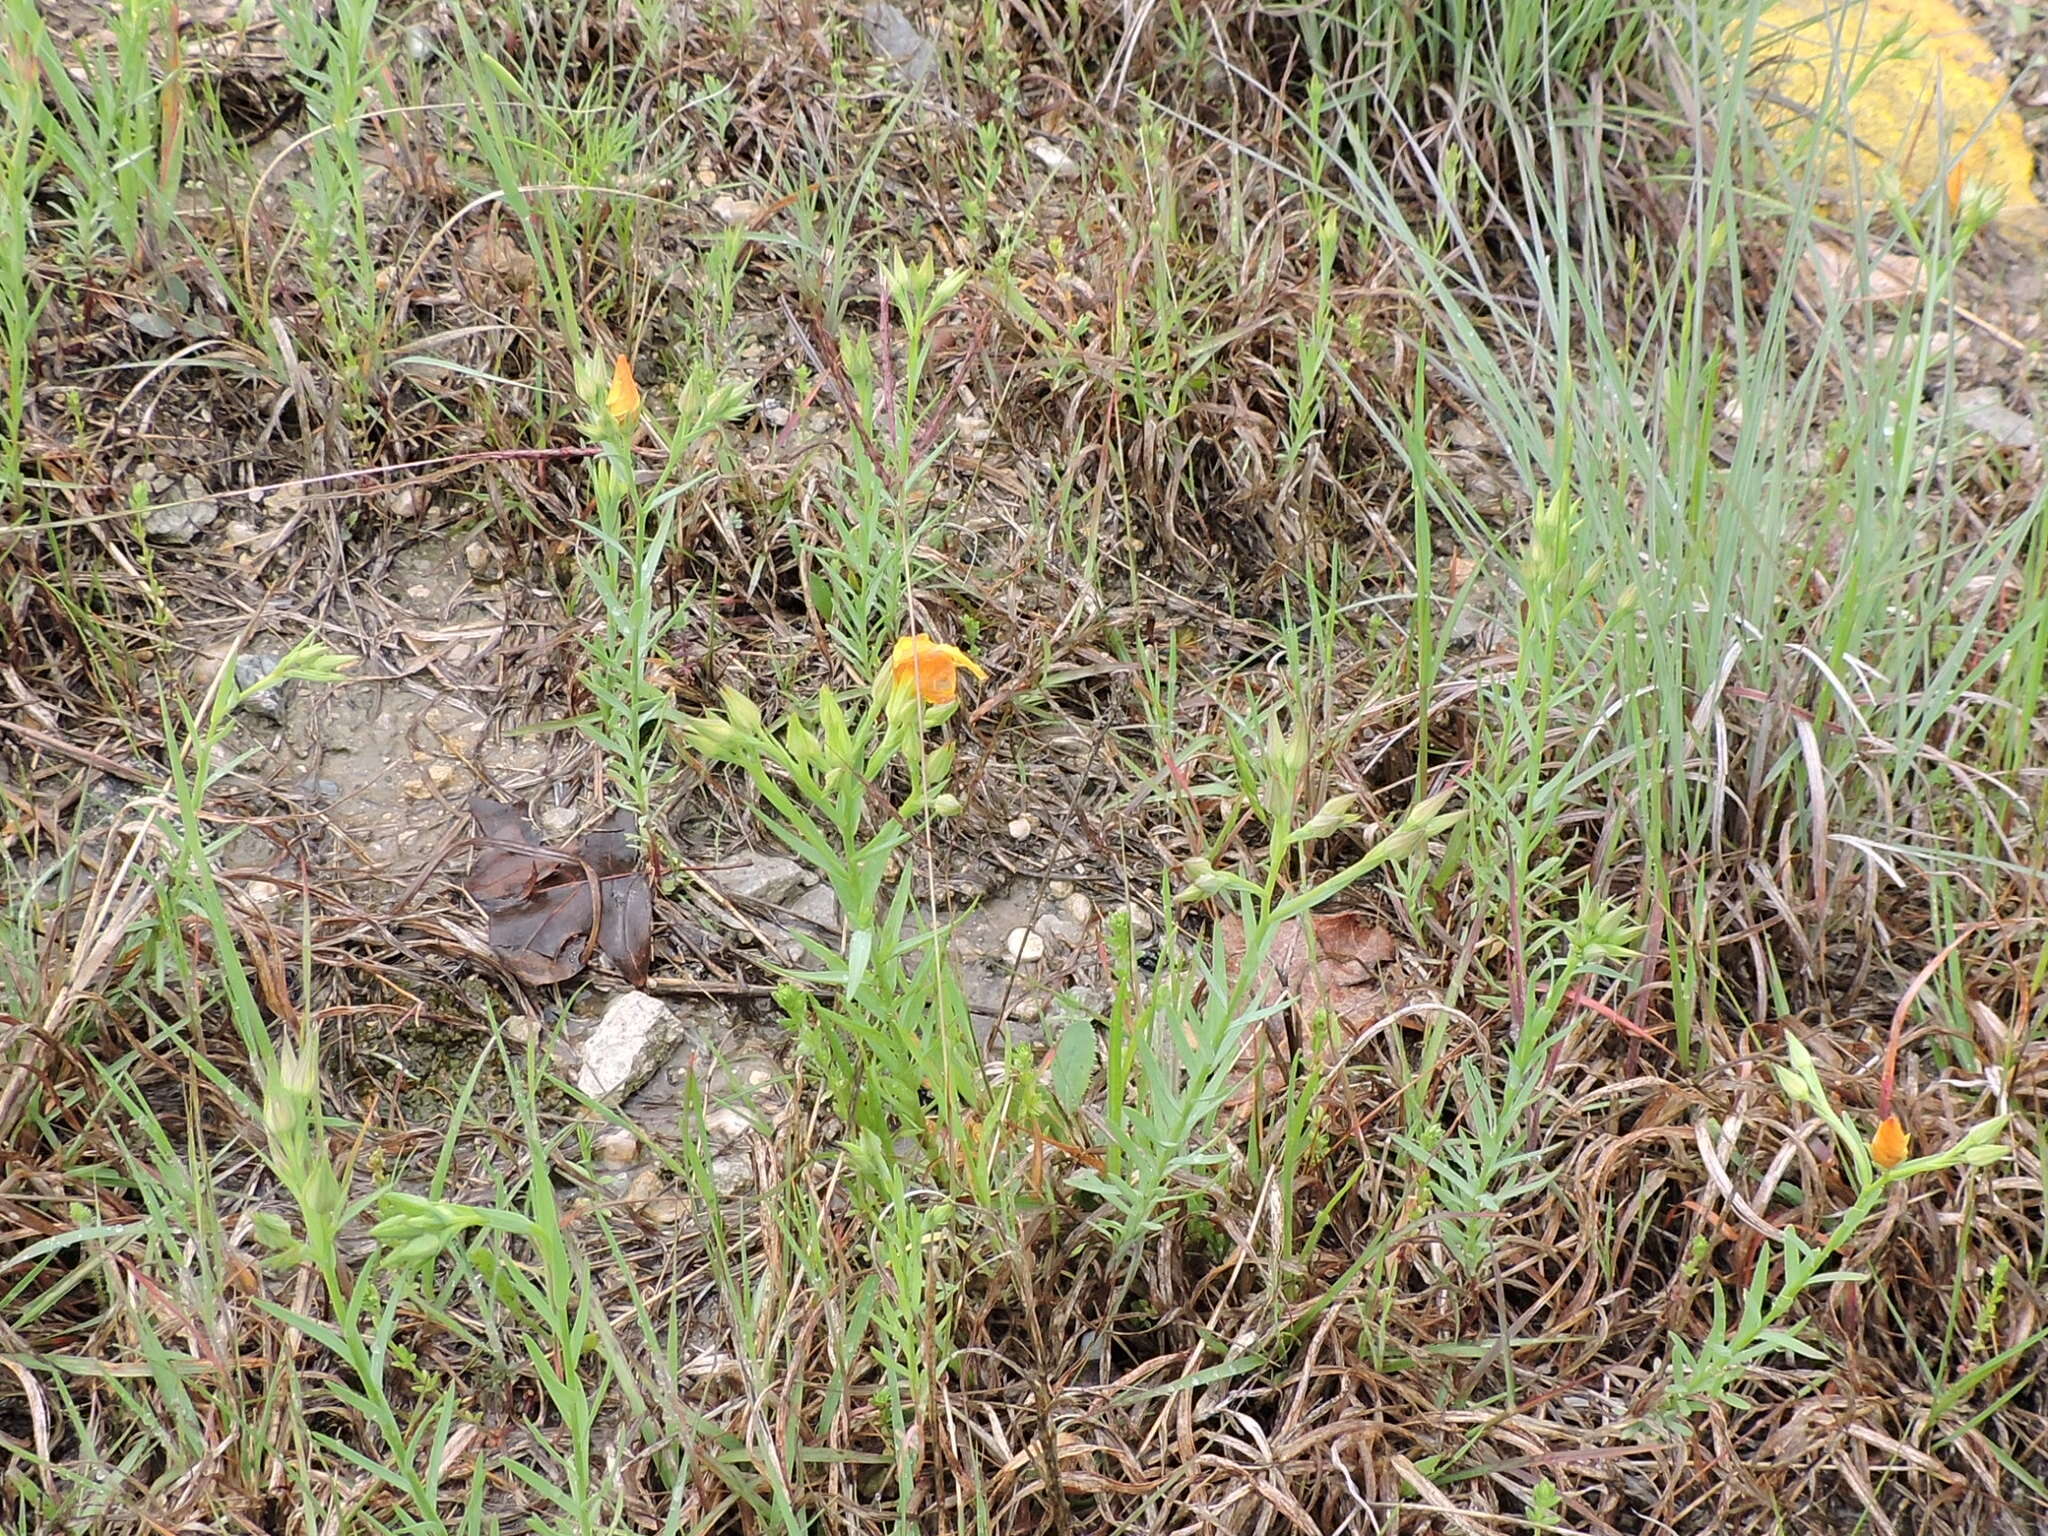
(1831, 274)
(1327, 962)
(552, 911)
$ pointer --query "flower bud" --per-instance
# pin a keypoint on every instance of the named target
(415, 1251)
(1336, 814)
(710, 736)
(1794, 1087)
(272, 1231)
(1204, 880)
(742, 711)
(1982, 1132)
(804, 747)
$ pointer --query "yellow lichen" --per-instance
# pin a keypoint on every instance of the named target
(1891, 98)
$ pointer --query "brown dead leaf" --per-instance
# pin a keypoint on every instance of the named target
(549, 910)
(1830, 273)
(1458, 569)
(1326, 962)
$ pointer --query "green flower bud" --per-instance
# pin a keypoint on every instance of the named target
(804, 747)
(272, 1231)
(1335, 815)
(1983, 1132)
(1204, 880)
(415, 1251)
(710, 736)
(742, 711)
(1793, 1086)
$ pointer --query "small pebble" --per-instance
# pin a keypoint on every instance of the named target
(1022, 828)
(520, 1028)
(556, 820)
(264, 893)
(643, 1189)
(1028, 1010)
(1061, 889)
(668, 1211)
(1052, 157)
(251, 669)
(1141, 920)
(1079, 907)
(1025, 946)
(486, 561)
(615, 1146)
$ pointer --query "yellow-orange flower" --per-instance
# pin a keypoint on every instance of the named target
(920, 665)
(1888, 1146)
(623, 399)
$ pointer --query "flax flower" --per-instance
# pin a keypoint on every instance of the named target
(622, 400)
(1888, 1146)
(921, 666)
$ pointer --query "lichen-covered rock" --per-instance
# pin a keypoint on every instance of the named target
(1888, 98)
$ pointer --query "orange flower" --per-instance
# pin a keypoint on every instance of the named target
(623, 399)
(922, 666)
(1888, 1146)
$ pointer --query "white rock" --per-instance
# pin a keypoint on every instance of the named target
(1985, 411)
(178, 519)
(1079, 907)
(1025, 945)
(1053, 157)
(520, 1028)
(762, 877)
(558, 820)
(1141, 920)
(615, 1146)
(636, 1035)
(1022, 828)
(1060, 890)
(892, 35)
